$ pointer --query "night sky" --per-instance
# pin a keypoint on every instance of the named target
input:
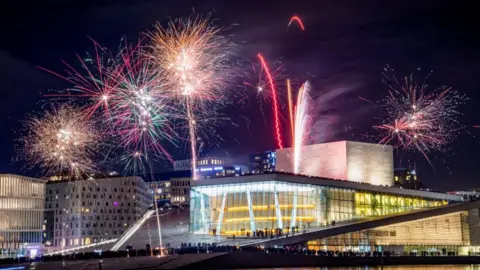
(343, 51)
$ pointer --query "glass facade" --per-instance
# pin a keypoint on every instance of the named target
(445, 233)
(21, 214)
(235, 209)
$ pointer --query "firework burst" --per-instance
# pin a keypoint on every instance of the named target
(124, 94)
(418, 119)
(256, 79)
(62, 141)
(193, 58)
(93, 84)
(139, 116)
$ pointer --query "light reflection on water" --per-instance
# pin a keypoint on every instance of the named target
(394, 267)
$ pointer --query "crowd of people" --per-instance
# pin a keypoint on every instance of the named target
(198, 248)
(268, 233)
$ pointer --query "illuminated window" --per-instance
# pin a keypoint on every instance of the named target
(396, 178)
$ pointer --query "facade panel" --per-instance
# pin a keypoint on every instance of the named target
(345, 160)
(21, 215)
(443, 233)
(88, 211)
(370, 163)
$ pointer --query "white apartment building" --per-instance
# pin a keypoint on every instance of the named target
(21, 215)
(83, 212)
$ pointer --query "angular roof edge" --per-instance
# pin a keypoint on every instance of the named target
(325, 182)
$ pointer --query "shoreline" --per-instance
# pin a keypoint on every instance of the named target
(248, 260)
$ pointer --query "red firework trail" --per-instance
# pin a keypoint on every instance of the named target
(298, 20)
(275, 105)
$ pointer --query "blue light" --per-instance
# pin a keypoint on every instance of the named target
(206, 169)
(237, 168)
(196, 170)
(218, 168)
(413, 171)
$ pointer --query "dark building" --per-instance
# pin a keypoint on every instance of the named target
(407, 178)
(263, 162)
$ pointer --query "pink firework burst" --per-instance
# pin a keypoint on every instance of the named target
(416, 118)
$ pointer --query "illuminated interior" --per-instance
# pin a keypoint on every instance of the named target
(238, 209)
(445, 233)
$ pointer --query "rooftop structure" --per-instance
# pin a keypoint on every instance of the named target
(345, 160)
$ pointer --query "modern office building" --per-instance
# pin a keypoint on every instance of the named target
(262, 162)
(83, 212)
(170, 187)
(21, 215)
(407, 178)
(202, 162)
(343, 160)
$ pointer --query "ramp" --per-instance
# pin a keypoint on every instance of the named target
(361, 225)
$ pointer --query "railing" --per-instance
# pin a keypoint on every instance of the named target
(80, 247)
(132, 230)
